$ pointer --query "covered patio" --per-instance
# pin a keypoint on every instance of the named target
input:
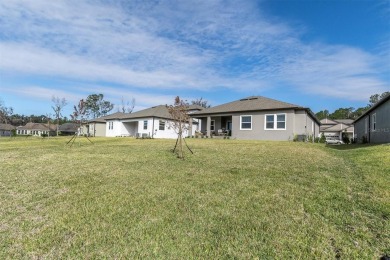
(216, 125)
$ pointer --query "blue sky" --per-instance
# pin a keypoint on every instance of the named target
(318, 54)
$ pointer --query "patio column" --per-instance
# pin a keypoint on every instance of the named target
(190, 127)
(209, 126)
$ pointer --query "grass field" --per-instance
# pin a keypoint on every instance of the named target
(126, 198)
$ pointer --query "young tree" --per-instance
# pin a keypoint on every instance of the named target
(96, 106)
(127, 107)
(5, 113)
(180, 123)
(79, 112)
(58, 105)
(200, 102)
(78, 116)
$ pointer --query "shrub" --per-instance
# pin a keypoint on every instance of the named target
(317, 139)
(44, 135)
(310, 138)
(345, 138)
(322, 139)
(364, 139)
(295, 138)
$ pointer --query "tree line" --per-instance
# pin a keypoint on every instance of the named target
(94, 106)
(350, 112)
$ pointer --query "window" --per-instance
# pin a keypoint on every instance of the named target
(145, 125)
(269, 121)
(110, 125)
(212, 125)
(275, 122)
(246, 123)
(281, 121)
(373, 122)
(161, 125)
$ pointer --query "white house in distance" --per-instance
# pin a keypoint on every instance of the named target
(336, 127)
(154, 122)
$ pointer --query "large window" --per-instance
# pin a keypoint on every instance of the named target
(275, 122)
(161, 125)
(110, 125)
(145, 125)
(246, 123)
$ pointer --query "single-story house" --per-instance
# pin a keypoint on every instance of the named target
(97, 126)
(154, 122)
(68, 128)
(6, 129)
(36, 129)
(259, 118)
(374, 125)
(336, 127)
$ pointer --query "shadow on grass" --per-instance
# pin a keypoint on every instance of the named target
(343, 147)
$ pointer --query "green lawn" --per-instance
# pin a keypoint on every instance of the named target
(126, 198)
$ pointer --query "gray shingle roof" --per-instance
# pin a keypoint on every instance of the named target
(7, 127)
(68, 127)
(157, 111)
(327, 121)
(345, 121)
(38, 126)
(160, 111)
(253, 103)
(336, 128)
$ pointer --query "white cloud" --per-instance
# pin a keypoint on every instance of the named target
(171, 45)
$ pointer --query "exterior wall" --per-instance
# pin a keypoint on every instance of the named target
(382, 132)
(305, 125)
(364, 127)
(5, 133)
(258, 131)
(360, 129)
(117, 128)
(136, 126)
(34, 132)
(97, 129)
(317, 130)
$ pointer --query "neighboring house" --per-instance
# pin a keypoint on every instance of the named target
(154, 122)
(68, 128)
(6, 129)
(97, 126)
(374, 125)
(36, 129)
(336, 127)
(259, 118)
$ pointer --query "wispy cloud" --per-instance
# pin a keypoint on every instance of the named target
(171, 45)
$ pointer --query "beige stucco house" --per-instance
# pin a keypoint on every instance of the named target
(259, 118)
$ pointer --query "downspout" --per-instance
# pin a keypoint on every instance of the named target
(369, 128)
(306, 137)
(153, 128)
